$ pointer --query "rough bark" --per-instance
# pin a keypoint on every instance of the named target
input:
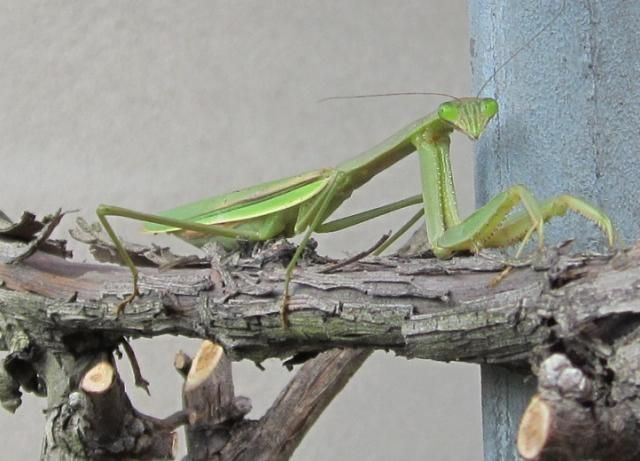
(89, 415)
(57, 317)
(419, 307)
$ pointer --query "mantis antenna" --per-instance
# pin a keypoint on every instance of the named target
(382, 95)
(526, 45)
(484, 85)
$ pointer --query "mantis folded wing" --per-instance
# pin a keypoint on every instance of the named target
(302, 204)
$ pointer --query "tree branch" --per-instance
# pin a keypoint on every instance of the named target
(425, 308)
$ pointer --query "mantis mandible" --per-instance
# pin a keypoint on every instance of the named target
(302, 204)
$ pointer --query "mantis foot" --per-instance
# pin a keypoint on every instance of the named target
(500, 277)
(284, 311)
(128, 300)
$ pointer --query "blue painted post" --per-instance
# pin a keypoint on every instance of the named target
(569, 121)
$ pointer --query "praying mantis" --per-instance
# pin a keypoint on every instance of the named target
(302, 204)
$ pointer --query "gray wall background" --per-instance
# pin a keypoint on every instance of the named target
(151, 104)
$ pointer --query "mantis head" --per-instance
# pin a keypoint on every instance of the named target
(469, 115)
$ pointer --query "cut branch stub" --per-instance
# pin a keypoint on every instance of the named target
(208, 398)
(576, 414)
(535, 429)
(208, 388)
(209, 357)
(560, 430)
(106, 400)
(109, 424)
(98, 379)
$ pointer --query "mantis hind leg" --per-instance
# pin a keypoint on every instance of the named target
(103, 211)
(312, 219)
(124, 255)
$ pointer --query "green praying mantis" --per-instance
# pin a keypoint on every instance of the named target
(303, 204)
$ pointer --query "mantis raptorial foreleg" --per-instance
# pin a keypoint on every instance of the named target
(473, 233)
(514, 228)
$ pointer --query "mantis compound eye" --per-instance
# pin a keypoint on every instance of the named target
(448, 111)
(489, 107)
